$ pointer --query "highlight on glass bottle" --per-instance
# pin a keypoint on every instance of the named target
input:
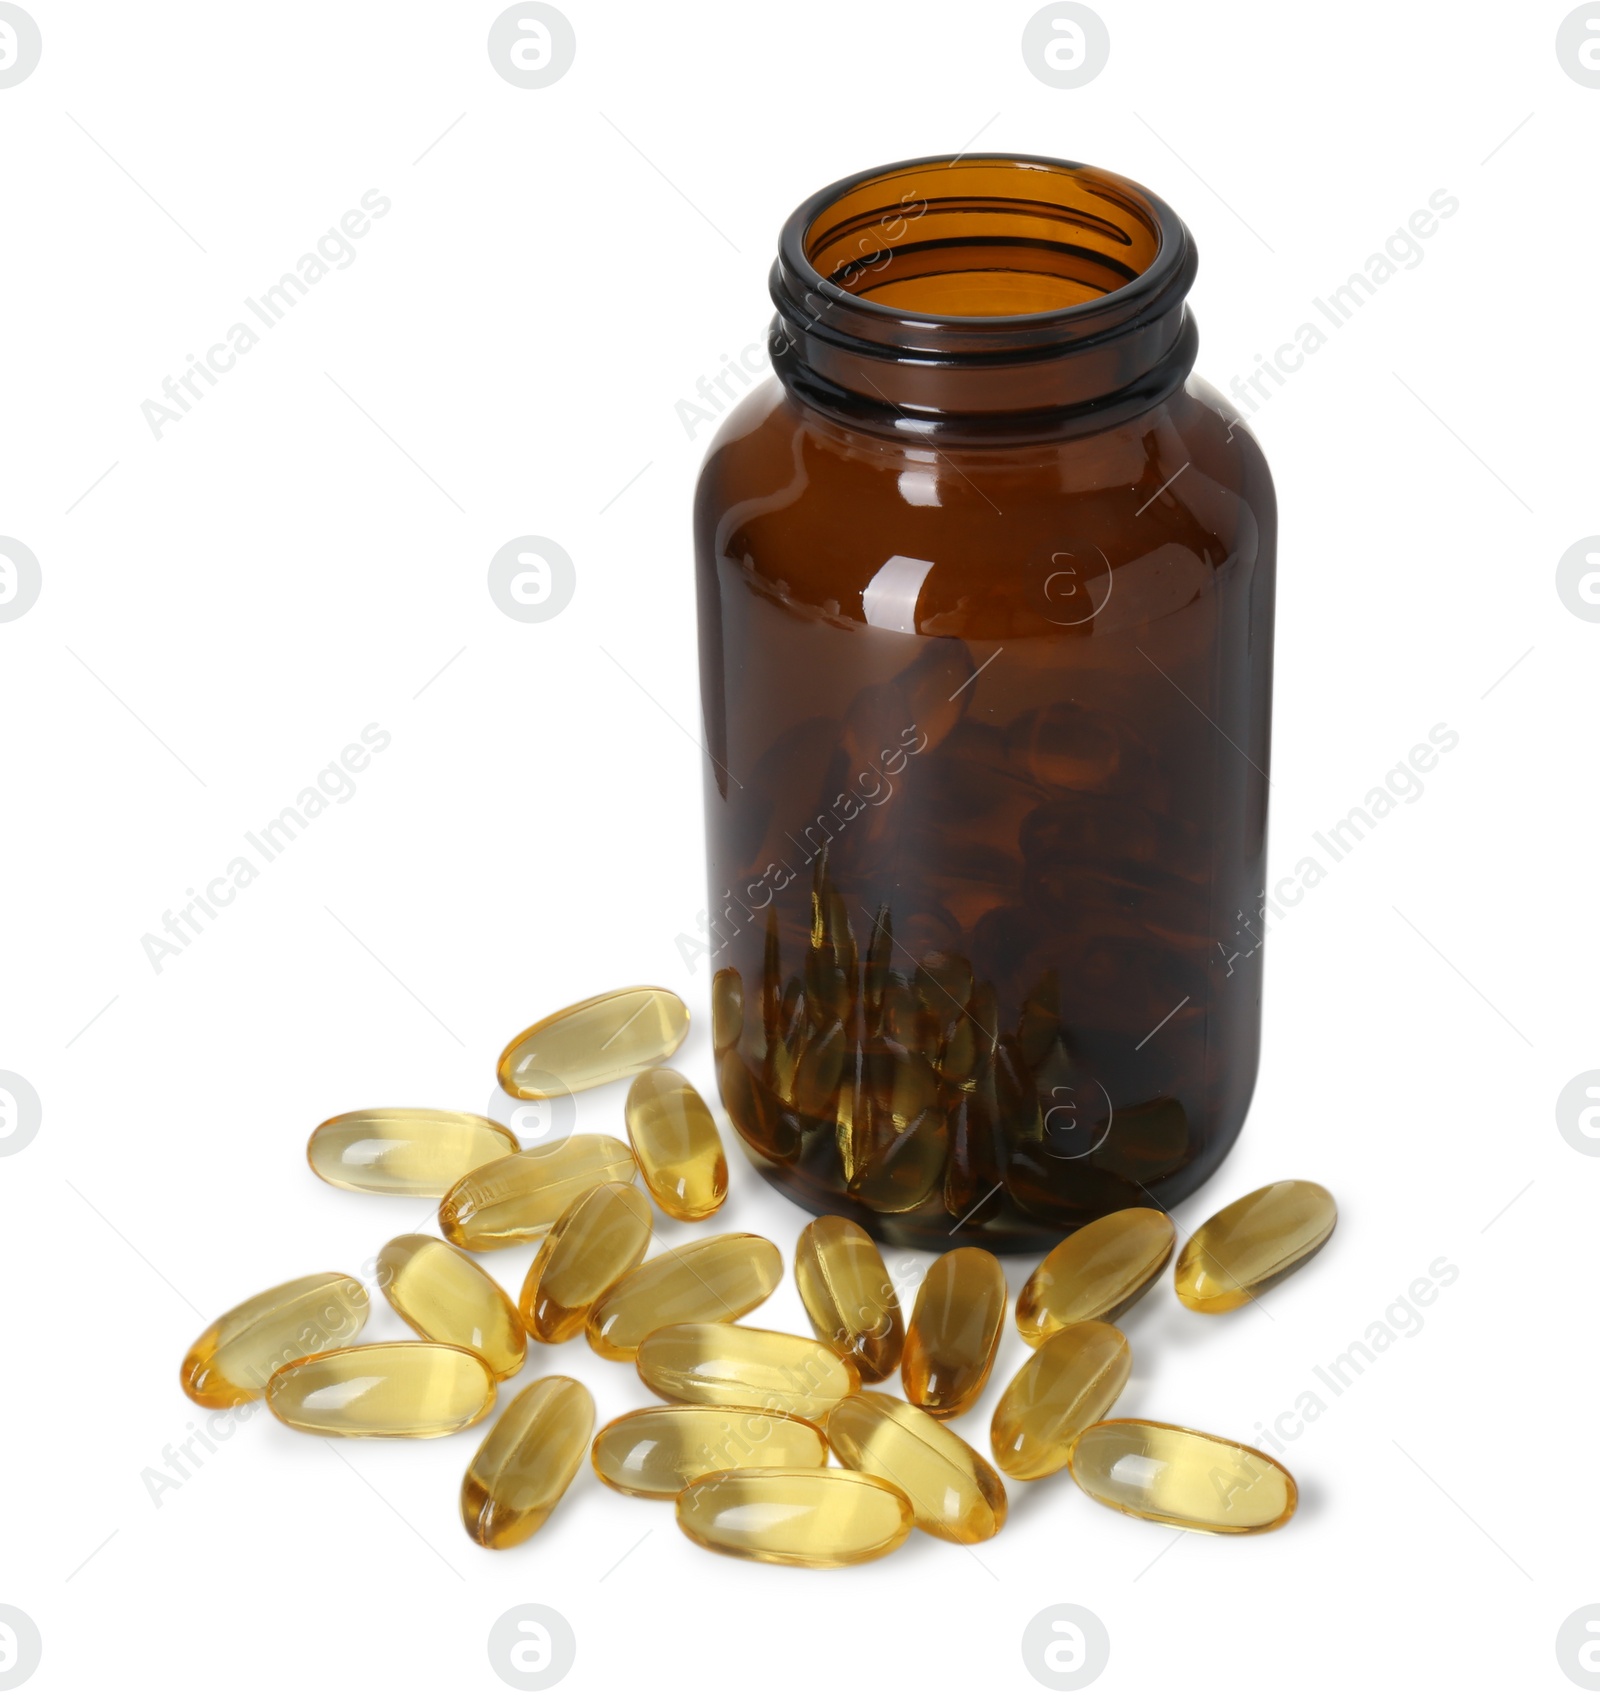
(986, 590)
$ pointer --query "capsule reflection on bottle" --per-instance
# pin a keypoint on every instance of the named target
(519, 1197)
(404, 1150)
(713, 1280)
(526, 1462)
(1069, 1383)
(599, 1238)
(656, 1451)
(731, 1365)
(1252, 1243)
(446, 1297)
(600, 1040)
(233, 1359)
(954, 1331)
(796, 1517)
(849, 1296)
(675, 1140)
(953, 1490)
(1182, 1477)
(384, 1389)
(1098, 1272)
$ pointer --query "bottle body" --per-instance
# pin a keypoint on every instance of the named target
(987, 731)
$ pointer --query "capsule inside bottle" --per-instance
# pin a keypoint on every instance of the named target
(727, 1009)
(796, 1517)
(600, 1040)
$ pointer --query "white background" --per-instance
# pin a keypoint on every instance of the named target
(306, 554)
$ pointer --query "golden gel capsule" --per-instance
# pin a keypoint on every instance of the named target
(404, 1150)
(727, 1365)
(384, 1389)
(1182, 1477)
(954, 1331)
(235, 1357)
(599, 1238)
(675, 1140)
(1097, 1273)
(1253, 1242)
(714, 1279)
(953, 1491)
(446, 1297)
(526, 1462)
(849, 1296)
(656, 1451)
(791, 1516)
(519, 1197)
(597, 1041)
(1070, 1383)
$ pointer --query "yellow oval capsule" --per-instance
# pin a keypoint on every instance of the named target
(404, 1150)
(849, 1296)
(714, 1279)
(526, 1462)
(674, 1139)
(599, 1238)
(234, 1358)
(953, 1490)
(384, 1389)
(954, 1331)
(1182, 1477)
(1070, 1383)
(519, 1197)
(1251, 1243)
(656, 1451)
(1098, 1272)
(599, 1040)
(446, 1297)
(791, 1516)
(728, 1365)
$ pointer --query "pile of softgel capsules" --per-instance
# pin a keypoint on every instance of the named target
(749, 1420)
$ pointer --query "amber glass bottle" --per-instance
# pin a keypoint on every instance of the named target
(985, 587)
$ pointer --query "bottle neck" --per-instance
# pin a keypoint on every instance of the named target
(983, 299)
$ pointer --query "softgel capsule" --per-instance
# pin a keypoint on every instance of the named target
(1182, 1477)
(656, 1451)
(519, 1197)
(783, 1515)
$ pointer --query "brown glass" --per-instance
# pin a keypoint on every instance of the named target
(986, 591)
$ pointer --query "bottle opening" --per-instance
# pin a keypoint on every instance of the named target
(990, 238)
(981, 298)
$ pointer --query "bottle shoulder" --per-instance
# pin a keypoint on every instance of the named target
(834, 519)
